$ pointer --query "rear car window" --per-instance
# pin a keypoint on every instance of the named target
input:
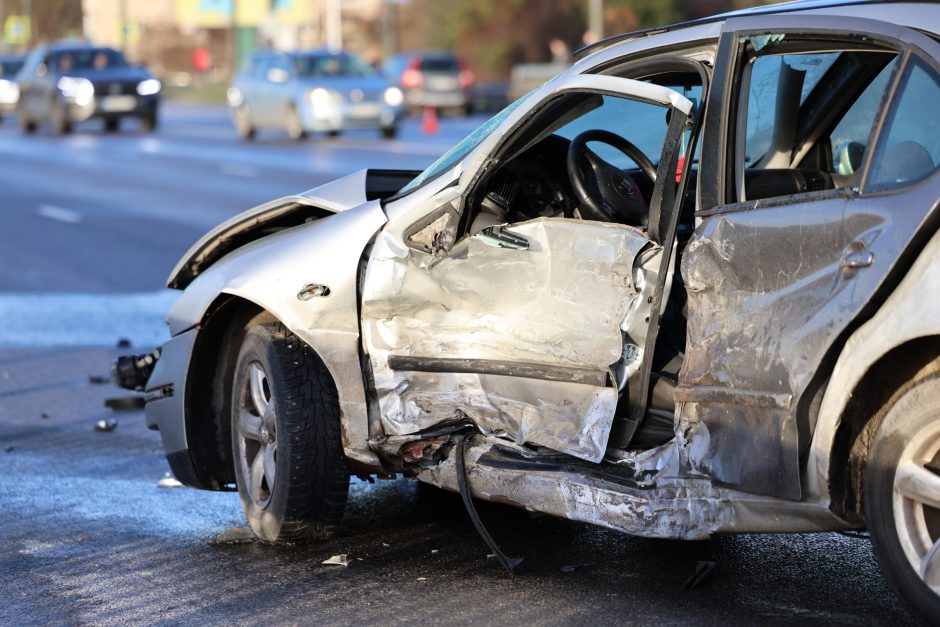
(909, 149)
(438, 64)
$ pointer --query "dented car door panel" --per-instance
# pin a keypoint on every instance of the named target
(519, 341)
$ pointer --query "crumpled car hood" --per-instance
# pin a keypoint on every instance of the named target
(287, 212)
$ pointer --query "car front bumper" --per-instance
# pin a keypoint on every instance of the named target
(113, 107)
(166, 406)
(347, 115)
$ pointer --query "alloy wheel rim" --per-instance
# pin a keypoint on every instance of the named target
(916, 503)
(257, 435)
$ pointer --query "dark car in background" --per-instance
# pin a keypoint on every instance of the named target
(316, 90)
(433, 79)
(66, 83)
(10, 65)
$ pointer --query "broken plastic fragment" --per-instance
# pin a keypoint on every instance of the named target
(235, 535)
(422, 578)
(168, 481)
(108, 424)
(337, 560)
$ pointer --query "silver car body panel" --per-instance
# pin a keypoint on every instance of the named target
(271, 272)
(912, 311)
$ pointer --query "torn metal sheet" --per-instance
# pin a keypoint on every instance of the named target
(520, 341)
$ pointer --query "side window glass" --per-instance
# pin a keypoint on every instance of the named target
(808, 120)
(909, 148)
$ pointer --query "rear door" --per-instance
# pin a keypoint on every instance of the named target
(797, 240)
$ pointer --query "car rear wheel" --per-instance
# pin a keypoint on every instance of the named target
(111, 125)
(390, 132)
(291, 472)
(27, 126)
(902, 495)
(295, 129)
(243, 125)
(148, 122)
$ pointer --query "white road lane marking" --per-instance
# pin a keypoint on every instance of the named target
(58, 213)
(84, 319)
(237, 169)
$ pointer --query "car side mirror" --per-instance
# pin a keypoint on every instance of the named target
(277, 75)
(497, 235)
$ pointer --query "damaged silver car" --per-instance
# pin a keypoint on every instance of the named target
(687, 287)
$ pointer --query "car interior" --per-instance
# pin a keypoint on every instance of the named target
(805, 117)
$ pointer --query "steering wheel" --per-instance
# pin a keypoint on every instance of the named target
(612, 195)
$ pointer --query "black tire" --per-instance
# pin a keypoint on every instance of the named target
(61, 125)
(389, 132)
(27, 126)
(243, 125)
(149, 122)
(295, 129)
(311, 481)
(334, 133)
(914, 413)
(112, 125)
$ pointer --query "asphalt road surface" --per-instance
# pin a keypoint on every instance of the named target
(92, 224)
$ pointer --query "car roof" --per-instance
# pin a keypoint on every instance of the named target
(783, 7)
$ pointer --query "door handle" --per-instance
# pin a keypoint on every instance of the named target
(497, 235)
(857, 259)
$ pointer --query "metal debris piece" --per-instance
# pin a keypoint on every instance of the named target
(433, 551)
(509, 563)
(570, 568)
(125, 403)
(97, 379)
(169, 481)
(337, 560)
(386, 544)
(107, 424)
(235, 535)
(422, 578)
(703, 571)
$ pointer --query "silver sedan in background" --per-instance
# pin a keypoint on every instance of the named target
(317, 90)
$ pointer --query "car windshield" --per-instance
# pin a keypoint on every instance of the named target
(87, 59)
(462, 149)
(317, 65)
(8, 69)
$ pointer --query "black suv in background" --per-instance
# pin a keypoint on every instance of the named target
(432, 79)
(66, 83)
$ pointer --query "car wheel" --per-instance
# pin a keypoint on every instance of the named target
(27, 126)
(111, 125)
(295, 130)
(243, 125)
(148, 122)
(333, 133)
(902, 495)
(291, 472)
(61, 125)
(390, 132)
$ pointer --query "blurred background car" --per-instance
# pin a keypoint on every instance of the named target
(318, 90)
(9, 92)
(437, 79)
(67, 83)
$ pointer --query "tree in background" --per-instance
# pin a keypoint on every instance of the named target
(494, 35)
(51, 19)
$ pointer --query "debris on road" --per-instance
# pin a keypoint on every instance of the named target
(8, 449)
(125, 403)
(337, 560)
(44, 416)
(703, 570)
(570, 568)
(169, 481)
(107, 424)
(422, 578)
(235, 535)
(123, 343)
(97, 379)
